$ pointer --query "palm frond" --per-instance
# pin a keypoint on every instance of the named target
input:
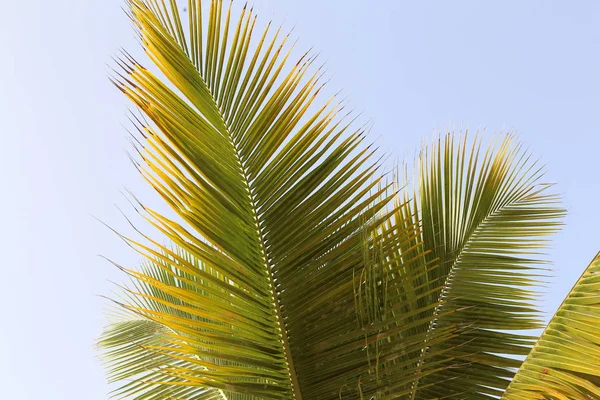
(484, 216)
(256, 290)
(565, 362)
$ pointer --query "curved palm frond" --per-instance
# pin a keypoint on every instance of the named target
(256, 291)
(483, 216)
(565, 362)
(130, 354)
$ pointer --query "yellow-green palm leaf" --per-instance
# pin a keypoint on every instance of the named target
(565, 362)
(130, 353)
(256, 290)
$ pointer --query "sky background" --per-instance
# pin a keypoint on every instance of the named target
(414, 67)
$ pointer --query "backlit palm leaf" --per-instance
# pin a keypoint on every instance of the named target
(256, 294)
(130, 342)
(565, 362)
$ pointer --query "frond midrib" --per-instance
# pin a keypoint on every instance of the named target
(261, 241)
(449, 278)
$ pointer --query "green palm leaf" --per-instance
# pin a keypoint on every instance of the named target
(130, 342)
(256, 290)
(565, 362)
(484, 215)
(395, 309)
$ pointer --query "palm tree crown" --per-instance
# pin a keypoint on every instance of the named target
(296, 270)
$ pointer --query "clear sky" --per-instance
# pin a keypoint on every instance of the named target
(415, 67)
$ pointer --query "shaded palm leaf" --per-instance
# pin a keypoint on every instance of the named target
(565, 362)
(395, 309)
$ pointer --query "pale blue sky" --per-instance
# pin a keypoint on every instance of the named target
(414, 67)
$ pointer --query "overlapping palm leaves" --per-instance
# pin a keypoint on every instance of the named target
(294, 271)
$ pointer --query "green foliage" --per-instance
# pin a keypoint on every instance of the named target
(565, 362)
(293, 269)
